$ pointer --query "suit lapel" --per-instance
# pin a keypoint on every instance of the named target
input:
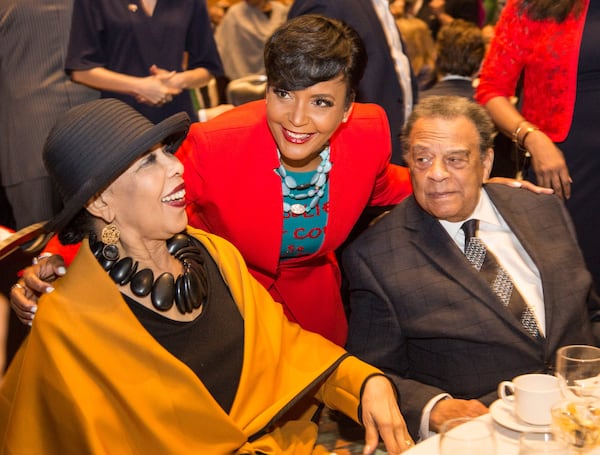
(267, 236)
(429, 237)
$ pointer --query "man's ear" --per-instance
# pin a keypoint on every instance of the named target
(488, 162)
(100, 208)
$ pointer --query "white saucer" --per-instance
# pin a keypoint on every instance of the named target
(503, 414)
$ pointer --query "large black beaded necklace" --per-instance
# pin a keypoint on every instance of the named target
(188, 291)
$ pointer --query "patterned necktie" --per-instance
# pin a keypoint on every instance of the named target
(484, 262)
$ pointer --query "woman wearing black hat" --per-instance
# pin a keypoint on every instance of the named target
(153, 342)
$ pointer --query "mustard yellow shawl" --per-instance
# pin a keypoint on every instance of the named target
(89, 379)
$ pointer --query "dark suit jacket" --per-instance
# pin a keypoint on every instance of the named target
(380, 83)
(452, 87)
(421, 313)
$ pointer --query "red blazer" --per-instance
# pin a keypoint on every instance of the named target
(548, 53)
(234, 192)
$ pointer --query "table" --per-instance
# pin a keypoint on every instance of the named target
(507, 441)
(341, 436)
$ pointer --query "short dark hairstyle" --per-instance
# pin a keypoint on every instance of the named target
(451, 107)
(460, 49)
(312, 48)
(81, 226)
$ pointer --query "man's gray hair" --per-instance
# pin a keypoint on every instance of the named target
(451, 107)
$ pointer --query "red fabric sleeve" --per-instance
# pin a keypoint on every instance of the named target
(67, 252)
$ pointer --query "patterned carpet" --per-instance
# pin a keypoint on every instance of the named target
(341, 435)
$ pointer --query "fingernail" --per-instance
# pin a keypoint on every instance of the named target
(30, 323)
(33, 310)
(61, 270)
(49, 289)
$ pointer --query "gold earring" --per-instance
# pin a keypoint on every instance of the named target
(110, 236)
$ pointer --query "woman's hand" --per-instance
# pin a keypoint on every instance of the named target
(547, 160)
(155, 90)
(171, 79)
(36, 280)
(521, 184)
(549, 164)
(381, 416)
(182, 80)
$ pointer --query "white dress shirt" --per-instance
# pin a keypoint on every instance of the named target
(509, 252)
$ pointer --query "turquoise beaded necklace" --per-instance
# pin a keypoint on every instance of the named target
(316, 187)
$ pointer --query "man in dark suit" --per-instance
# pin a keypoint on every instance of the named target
(423, 314)
(460, 50)
(381, 83)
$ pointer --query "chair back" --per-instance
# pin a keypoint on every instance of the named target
(26, 241)
(246, 89)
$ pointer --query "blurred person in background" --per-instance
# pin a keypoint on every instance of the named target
(460, 51)
(147, 53)
(242, 35)
(34, 91)
(437, 13)
(216, 12)
(420, 49)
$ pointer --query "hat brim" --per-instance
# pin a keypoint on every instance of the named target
(171, 131)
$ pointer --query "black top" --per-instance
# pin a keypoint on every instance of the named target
(120, 36)
(212, 345)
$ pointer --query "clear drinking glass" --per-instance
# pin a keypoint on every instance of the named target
(542, 444)
(466, 436)
(578, 372)
(578, 424)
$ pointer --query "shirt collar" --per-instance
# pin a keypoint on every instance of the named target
(484, 212)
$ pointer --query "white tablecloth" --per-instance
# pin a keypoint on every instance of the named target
(507, 441)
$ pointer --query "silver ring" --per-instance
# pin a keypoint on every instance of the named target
(36, 260)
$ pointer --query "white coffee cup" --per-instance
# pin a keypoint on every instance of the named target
(531, 396)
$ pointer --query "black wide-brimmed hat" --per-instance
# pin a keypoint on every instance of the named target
(94, 143)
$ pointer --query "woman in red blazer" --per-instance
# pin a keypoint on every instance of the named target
(554, 45)
(233, 190)
(238, 169)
